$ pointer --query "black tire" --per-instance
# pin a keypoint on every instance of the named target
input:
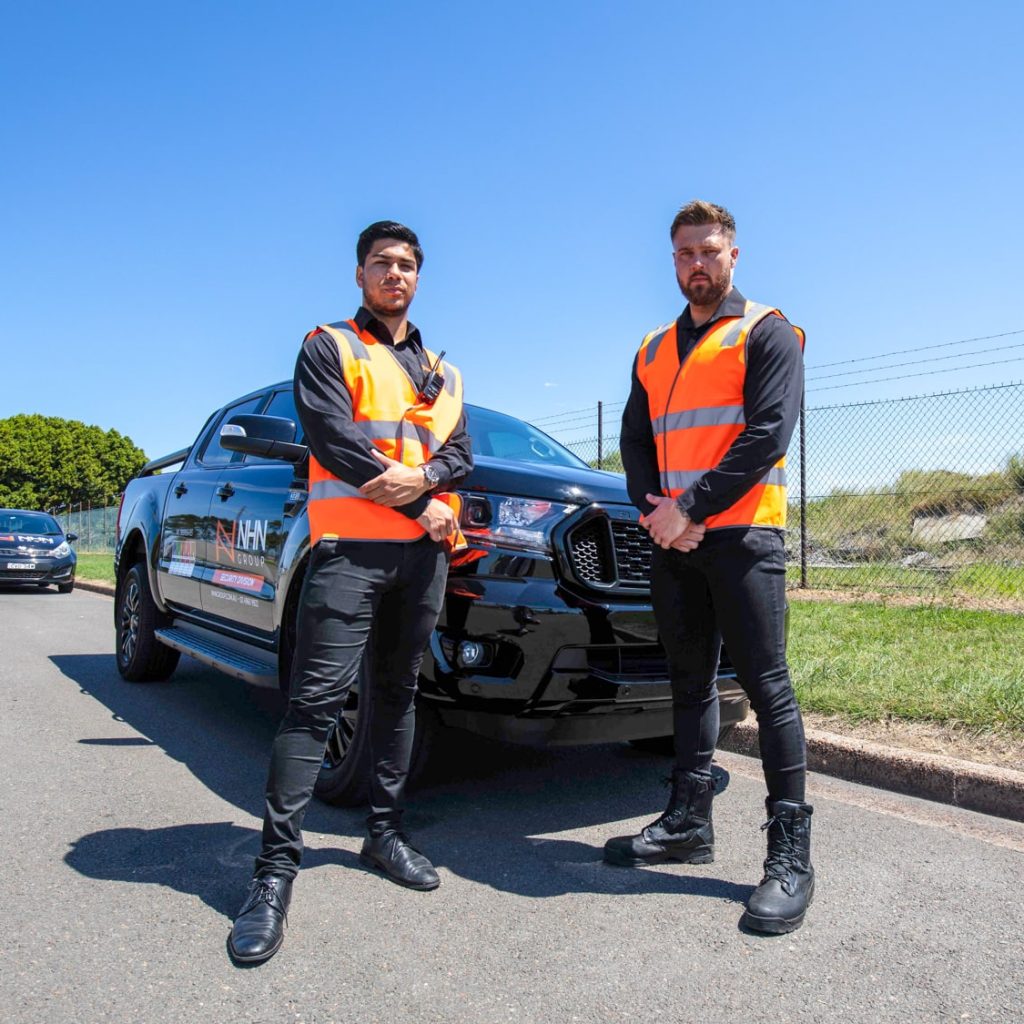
(141, 658)
(66, 588)
(344, 778)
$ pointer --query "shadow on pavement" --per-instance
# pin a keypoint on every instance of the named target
(486, 811)
(212, 860)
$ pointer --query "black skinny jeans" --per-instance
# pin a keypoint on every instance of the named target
(732, 588)
(397, 588)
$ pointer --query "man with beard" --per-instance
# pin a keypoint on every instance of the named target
(714, 401)
(384, 423)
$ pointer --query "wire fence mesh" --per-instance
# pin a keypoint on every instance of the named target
(921, 495)
(95, 525)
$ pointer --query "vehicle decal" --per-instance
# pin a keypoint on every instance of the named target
(243, 542)
(183, 557)
(238, 580)
(230, 595)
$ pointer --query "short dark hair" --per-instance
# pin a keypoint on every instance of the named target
(699, 212)
(387, 229)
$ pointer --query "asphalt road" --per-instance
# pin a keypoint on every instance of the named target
(130, 820)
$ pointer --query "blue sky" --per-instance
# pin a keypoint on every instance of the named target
(182, 187)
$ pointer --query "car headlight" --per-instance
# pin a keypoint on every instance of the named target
(524, 524)
(62, 550)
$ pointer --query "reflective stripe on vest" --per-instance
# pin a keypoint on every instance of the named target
(697, 412)
(386, 411)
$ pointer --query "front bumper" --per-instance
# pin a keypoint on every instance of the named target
(37, 569)
(519, 656)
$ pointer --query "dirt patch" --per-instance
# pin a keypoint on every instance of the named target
(1001, 749)
(898, 600)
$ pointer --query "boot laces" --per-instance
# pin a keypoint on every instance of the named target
(784, 859)
(675, 812)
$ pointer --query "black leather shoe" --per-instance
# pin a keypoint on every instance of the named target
(391, 853)
(778, 905)
(683, 833)
(258, 930)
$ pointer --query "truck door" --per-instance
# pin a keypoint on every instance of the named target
(187, 534)
(252, 511)
(186, 509)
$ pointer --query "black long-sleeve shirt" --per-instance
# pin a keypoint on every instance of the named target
(772, 391)
(324, 405)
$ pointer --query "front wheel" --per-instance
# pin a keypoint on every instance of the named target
(66, 588)
(140, 656)
(344, 778)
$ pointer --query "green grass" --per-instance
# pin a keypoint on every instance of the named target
(95, 567)
(869, 662)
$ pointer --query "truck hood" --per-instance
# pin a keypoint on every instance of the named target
(570, 484)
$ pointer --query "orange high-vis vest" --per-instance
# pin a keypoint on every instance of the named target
(385, 408)
(697, 412)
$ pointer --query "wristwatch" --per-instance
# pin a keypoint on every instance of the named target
(430, 475)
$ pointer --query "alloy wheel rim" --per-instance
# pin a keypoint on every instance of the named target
(129, 622)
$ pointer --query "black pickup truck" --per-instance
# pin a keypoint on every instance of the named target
(546, 636)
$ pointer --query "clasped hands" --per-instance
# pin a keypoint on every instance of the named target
(669, 526)
(398, 485)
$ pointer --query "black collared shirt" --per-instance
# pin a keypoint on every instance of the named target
(772, 390)
(324, 404)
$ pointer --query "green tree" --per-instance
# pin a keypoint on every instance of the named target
(46, 461)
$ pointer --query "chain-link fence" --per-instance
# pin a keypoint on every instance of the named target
(95, 525)
(922, 494)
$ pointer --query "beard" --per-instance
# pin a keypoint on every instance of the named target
(393, 308)
(707, 292)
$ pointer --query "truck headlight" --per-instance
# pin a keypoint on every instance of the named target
(524, 524)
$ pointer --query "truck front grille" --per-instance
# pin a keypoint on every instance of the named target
(632, 553)
(610, 553)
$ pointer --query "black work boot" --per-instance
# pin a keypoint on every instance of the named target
(390, 852)
(683, 833)
(258, 930)
(779, 903)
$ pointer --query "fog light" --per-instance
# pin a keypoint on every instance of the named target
(471, 654)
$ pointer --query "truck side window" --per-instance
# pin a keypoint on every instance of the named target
(213, 455)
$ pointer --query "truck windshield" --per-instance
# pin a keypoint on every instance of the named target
(505, 437)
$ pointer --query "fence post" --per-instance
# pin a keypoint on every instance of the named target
(803, 493)
(600, 433)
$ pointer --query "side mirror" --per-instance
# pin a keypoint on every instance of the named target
(272, 437)
(71, 537)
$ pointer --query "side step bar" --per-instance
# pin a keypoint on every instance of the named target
(222, 653)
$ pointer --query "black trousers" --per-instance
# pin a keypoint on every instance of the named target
(731, 588)
(397, 589)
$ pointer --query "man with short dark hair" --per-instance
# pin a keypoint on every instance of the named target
(715, 398)
(386, 431)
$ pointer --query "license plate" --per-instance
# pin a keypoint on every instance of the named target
(21, 565)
